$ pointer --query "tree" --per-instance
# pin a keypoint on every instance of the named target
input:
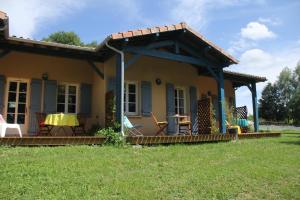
(286, 89)
(267, 106)
(295, 105)
(70, 38)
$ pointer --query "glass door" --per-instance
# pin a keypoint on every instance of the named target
(16, 107)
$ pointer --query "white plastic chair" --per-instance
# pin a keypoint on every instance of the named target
(4, 125)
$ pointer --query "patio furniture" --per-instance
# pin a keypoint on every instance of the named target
(241, 115)
(4, 125)
(132, 129)
(62, 120)
(185, 125)
(80, 129)
(229, 126)
(182, 121)
(162, 125)
(42, 127)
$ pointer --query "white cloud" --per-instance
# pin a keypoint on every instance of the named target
(270, 21)
(197, 13)
(256, 31)
(261, 63)
(25, 17)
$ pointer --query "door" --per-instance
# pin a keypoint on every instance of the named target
(16, 104)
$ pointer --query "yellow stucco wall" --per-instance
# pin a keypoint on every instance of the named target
(180, 74)
(29, 66)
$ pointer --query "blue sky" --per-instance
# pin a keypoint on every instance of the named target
(263, 34)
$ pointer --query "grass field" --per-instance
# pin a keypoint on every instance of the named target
(248, 169)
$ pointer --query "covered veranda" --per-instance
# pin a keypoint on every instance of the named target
(182, 44)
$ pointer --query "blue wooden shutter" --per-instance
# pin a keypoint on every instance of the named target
(146, 93)
(193, 107)
(2, 89)
(170, 107)
(35, 104)
(111, 85)
(50, 89)
(86, 99)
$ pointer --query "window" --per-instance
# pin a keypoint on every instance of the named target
(131, 98)
(179, 101)
(67, 97)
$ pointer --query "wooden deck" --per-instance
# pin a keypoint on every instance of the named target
(135, 140)
(51, 141)
(149, 140)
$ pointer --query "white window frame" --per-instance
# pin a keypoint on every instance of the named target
(177, 99)
(126, 104)
(67, 85)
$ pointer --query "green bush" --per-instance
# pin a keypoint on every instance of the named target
(112, 137)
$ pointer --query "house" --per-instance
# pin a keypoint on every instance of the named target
(165, 70)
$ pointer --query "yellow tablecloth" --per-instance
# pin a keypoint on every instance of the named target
(62, 120)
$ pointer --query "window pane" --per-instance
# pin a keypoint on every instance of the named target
(23, 87)
(131, 88)
(61, 99)
(11, 106)
(21, 108)
(181, 111)
(131, 107)
(61, 89)
(132, 98)
(21, 119)
(22, 97)
(176, 94)
(61, 108)
(13, 86)
(72, 99)
(72, 90)
(180, 93)
(10, 118)
(71, 108)
(12, 96)
(181, 102)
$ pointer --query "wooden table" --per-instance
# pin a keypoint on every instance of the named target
(62, 120)
(177, 120)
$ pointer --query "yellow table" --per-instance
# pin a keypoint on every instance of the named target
(62, 120)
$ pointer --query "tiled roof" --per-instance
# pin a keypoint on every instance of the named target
(161, 29)
(247, 76)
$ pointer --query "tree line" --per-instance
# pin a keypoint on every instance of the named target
(280, 101)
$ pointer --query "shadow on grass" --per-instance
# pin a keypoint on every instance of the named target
(291, 142)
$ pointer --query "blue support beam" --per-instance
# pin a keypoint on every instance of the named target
(119, 89)
(221, 101)
(255, 107)
(165, 55)
(154, 45)
(91, 63)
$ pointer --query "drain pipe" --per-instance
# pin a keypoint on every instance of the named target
(122, 84)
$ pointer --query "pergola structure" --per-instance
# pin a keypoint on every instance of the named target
(182, 44)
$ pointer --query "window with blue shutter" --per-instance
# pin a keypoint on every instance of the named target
(193, 108)
(146, 93)
(2, 89)
(35, 104)
(86, 99)
(170, 104)
(50, 90)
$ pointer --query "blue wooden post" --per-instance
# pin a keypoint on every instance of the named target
(119, 90)
(221, 98)
(255, 107)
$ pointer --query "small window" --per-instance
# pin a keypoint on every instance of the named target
(67, 97)
(130, 98)
(179, 101)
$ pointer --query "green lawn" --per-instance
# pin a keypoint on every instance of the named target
(248, 169)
